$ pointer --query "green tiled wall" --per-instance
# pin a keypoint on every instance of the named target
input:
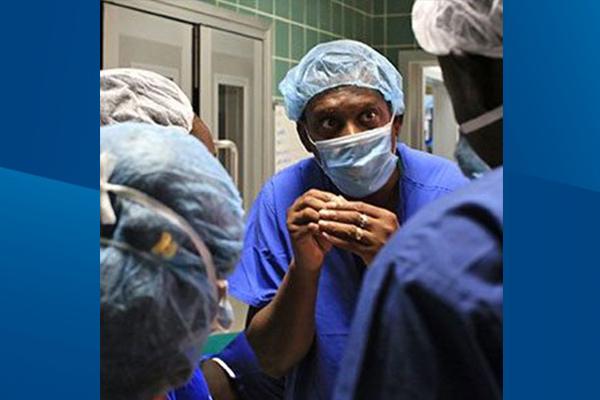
(301, 24)
(392, 27)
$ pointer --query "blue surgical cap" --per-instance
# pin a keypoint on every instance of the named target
(340, 63)
(176, 169)
(156, 301)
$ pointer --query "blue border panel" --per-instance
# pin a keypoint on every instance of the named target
(552, 199)
(49, 288)
(50, 64)
(49, 278)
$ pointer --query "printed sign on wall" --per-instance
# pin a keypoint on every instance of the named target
(288, 148)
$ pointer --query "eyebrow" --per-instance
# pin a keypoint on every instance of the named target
(330, 110)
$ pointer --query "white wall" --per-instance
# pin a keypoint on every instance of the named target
(445, 130)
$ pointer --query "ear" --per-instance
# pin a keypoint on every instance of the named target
(303, 134)
(396, 126)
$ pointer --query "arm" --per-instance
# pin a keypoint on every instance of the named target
(237, 376)
(282, 332)
(219, 384)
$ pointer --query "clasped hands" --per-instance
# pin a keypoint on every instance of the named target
(324, 220)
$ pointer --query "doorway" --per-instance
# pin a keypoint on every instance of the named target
(221, 60)
(429, 122)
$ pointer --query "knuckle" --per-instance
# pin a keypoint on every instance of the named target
(388, 230)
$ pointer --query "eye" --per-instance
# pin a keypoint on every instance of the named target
(369, 117)
(329, 123)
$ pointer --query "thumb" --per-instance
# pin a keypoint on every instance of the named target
(324, 244)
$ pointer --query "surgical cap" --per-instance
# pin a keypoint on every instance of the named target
(136, 95)
(157, 303)
(459, 26)
(340, 63)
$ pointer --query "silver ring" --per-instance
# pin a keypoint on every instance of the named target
(358, 234)
(362, 220)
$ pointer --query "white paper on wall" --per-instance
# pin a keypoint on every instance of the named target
(288, 148)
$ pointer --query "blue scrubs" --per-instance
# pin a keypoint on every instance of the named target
(267, 253)
(195, 389)
(428, 324)
(249, 382)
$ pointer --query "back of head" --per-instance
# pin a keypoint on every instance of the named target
(157, 302)
(340, 63)
(445, 27)
(135, 95)
(467, 37)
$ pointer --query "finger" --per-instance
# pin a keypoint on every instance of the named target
(358, 206)
(322, 241)
(307, 201)
(304, 216)
(348, 217)
(304, 229)
(321, 195)
(314, 203)
(314, 228)
(343, 244)
(346, 232)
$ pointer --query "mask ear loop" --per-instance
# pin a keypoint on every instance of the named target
(482, 121)
(161, 209)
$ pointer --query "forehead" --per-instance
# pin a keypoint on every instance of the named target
(345, 98)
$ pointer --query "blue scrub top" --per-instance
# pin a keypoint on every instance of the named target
(428, 324)
(249, 382)
(195, 389)
(268, 252)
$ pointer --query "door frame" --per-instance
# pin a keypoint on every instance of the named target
(209, 16)
(411, 64)
(245, 85)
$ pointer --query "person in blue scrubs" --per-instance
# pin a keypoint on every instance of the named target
(428, 324)
(135, 95)
(316, 226)
(171, 232)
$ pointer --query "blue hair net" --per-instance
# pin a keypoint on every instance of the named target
(338, 63)
(157, 302)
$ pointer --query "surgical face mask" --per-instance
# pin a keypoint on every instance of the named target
(469, 162)
(359, 164)
(225, 314)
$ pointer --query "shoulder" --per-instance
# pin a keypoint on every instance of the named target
(430, 172)
(484, 195)
(461, 227)
(452, 249)
(195, 389)
(296, 174)
(288, 184)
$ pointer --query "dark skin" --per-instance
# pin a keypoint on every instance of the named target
(333, 114)
(202, 133)
(474, 84)
(282, 332)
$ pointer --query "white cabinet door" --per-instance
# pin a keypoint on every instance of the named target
(232, 102)
(140, 40)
